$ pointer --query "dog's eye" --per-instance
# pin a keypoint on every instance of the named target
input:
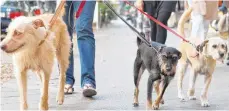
(214, 46)
(223, 46)
(164, 56)
(174, 58)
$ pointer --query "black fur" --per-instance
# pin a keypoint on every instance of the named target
(158, 63)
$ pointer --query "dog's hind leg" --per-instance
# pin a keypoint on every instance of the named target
(21, 77)
(139, 69)
(45, 77)
(181, 70)
(152, 77)
(192, 81)
(62, 53)
(165, 83)
(204, 98)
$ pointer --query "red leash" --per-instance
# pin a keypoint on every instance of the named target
(80, 8)
(158, 22)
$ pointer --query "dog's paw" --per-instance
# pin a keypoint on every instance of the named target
(60, 99)
(135, 104)
(155, 106)
(24, 106)
(192, 97)
(181, 97)
(43, 106)
(204, 102)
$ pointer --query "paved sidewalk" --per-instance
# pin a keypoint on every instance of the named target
(115, 54)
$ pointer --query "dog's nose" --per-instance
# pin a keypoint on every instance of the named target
(221, 55)
(3, 47)
(168, 69)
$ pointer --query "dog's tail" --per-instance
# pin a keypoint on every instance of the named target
(139, 41)
(184, 17)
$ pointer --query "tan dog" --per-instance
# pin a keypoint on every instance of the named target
(24, 42)
(210, 51)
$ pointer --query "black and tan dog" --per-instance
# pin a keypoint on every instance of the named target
(161, 62)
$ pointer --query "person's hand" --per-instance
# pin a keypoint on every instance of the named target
(139, 4)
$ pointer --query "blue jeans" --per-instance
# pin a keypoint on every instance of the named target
(85, 39)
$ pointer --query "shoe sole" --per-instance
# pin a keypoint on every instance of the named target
(89, 92)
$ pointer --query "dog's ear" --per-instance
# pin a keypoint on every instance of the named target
(179, 54)
(38, 23)
(160, 48)
(200, 47)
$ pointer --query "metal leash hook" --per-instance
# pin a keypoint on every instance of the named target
(139, 35)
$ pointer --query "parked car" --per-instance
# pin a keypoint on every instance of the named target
(9, 12)
(12, 9)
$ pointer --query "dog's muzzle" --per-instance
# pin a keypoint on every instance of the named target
(168, 69)
(3, 47)
(221, 55)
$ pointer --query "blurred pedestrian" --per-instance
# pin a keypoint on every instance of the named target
(223, 6)
(161, 10)
(122, 7)
(203, 11)
(86, 46)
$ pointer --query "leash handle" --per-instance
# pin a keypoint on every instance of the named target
(158, 22)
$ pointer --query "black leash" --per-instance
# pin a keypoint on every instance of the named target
(139, 35)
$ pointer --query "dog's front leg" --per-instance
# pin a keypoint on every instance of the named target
(165, 83)
(192, 81)
(204, 98)
(151, 79)
(45, 77)
(182, 67)
(21, 77)
(158, 87)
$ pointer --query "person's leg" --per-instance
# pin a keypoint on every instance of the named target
(69, 20)
(197, 26)
(162, 32)
(149, 8)
(86, 44)
(153, 30)
(206, 27)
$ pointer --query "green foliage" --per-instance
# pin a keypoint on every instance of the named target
(104, 9)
